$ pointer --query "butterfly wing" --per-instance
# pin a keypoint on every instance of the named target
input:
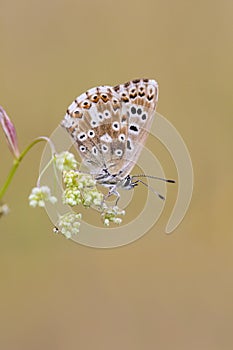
(110, 125)
(94, 122)
(139, 100)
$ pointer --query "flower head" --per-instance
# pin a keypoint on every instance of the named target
(65, 161)
(72, 196)
(68, 224)
(10, 132)
(75, 178)
(92, 197)
(81, 189)
(40, 195)
(110, 214)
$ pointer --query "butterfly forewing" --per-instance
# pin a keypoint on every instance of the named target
(110, 125)
(94, 122)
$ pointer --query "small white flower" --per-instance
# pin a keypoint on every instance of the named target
(87, 199)
(110, 214)
(65, 161)
(4, 209)
(69, 224)
(92, 197)
(106, 222)
(40, 195)
(80, 180)
(70, 178)
(98, 198)
(86, 180)
(72, 196)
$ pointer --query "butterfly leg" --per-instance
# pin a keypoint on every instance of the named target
(111, 192)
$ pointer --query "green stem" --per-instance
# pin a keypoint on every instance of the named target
(18, 160)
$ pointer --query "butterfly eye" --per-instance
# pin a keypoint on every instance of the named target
(121, 137)
(151, 90)
(104, 148)
(134, 129)
(77, 114)
(150, 97)
(82, 148)
(93, 123)
(151, 93)
(133, 110)
(94, 98)
(133, 93)
(141, 91)
(82, 136)
(86, 104)
(115, 126)
(94, 150)
(125, 99)
(127, 84)
(91, 133)
(118, 152)
(129, 145)
(104, 97)
(107, 114)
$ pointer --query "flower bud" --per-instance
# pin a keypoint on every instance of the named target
(10, 132)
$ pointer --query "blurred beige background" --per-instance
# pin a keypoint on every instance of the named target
(161, 292)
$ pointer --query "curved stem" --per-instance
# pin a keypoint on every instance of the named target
(18, 160)
(43, 171)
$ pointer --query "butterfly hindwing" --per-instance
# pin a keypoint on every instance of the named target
(139, 98)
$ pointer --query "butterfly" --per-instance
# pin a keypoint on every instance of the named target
(109, 126)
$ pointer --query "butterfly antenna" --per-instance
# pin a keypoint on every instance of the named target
(152, 189)
(154, 177)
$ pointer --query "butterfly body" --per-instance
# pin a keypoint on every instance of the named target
(109, 126)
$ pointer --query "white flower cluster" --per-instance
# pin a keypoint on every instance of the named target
(69, 224)
(92, 197)
(80, 180)
(65, 161)
(40, 195)
(110, 214)
(72, 196)
(81, 189)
